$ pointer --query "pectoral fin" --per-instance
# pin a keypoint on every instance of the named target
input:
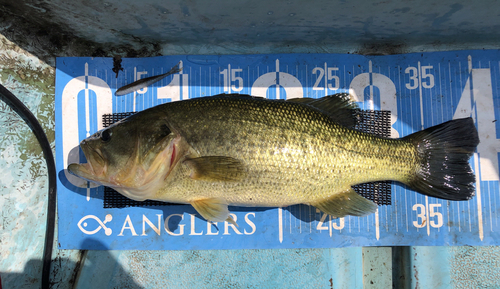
(213, 210)
(346, 203)
(216, 168)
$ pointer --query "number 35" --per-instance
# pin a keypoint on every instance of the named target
(433, 214)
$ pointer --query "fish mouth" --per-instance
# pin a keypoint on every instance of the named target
(95, 168)
(83, 171)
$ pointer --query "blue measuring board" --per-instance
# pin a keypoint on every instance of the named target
(420, 90)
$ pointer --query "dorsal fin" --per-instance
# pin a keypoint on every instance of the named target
(241, 96)
(305, 100)
(338, 107)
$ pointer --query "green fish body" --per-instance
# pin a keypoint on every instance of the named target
(245, 151)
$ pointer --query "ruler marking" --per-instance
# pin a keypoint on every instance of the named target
(280, 224)
(478, 197)
(427, 216)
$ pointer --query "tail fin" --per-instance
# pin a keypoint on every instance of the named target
(444, 151)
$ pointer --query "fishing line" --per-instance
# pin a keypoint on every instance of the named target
(16, 105)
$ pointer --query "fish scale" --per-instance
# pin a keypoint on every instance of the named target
(306, 155)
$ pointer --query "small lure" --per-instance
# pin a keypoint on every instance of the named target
(141, 83)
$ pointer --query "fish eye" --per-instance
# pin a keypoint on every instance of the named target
(106, 135)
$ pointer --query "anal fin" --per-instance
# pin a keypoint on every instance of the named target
(216, 168)
(213, 210)
(346, 203)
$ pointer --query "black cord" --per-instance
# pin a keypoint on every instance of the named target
(37, 129)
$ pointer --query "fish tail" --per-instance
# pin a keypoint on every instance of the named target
(443, 153)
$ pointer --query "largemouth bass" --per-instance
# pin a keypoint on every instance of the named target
(241, 150)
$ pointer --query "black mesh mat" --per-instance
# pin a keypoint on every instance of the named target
(374, 122)
(377, 122)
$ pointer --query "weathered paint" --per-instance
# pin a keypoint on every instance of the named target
(429, 267)
(377, 267)
(473, 267)
(307, 268)
(23, 182)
